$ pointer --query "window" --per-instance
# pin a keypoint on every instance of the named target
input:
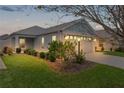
(42, 41)
(53, 38)
(22, 42)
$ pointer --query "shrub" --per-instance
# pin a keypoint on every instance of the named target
(1, 53)
(5, 49)
(35, 53)
(111, 49)
(9, 51)
(102, 49)
(18, 50)
(30, 51)
(42, 55)
(119, 49)
(69, 51)
(47, 55)
(80, 58)
(52, 56)
(57, 48)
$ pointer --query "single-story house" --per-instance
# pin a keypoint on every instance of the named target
(39, 38)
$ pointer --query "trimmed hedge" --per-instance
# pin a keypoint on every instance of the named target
(18, 50)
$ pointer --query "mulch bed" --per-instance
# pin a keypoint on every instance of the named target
(59, 66)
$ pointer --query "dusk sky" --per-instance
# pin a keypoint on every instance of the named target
(14, 18)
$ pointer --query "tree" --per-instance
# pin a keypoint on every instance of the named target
(111, 17)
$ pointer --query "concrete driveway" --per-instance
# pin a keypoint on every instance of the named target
(114, 61)
(2, 65)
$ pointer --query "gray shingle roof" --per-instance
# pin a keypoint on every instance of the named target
(35, 30)
(103, 34)
(85, 28)
(5, 36)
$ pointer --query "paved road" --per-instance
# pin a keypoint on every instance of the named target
(106, 59)
(2, 65)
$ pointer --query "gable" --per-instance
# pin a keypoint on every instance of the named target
(81, 28)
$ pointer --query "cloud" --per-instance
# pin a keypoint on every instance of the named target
(12, 8)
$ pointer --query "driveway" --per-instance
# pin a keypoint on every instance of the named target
(2, 65)
(114, 61)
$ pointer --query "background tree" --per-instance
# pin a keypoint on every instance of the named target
(111, 17)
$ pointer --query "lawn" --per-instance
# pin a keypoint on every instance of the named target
(28, 71)
(121, 54)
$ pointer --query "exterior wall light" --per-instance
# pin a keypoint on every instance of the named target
(78, 39)
(89, 38)
(84, 38)
(66, 37)
(75, 37)
(71, 37)
(94, 40)
(81, 38)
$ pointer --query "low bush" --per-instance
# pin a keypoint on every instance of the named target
(1, 53)
(8, 50)
(47, 55)
(42, 55)
(18, 50)
(35, 53)
(30, 51)
(119, 49)
(52, 56)
(102, 49)
(5, 49)
(80, 58)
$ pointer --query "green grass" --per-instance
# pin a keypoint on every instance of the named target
(28, 71)
(121, 54)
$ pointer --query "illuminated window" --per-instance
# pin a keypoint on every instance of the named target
(53, 38)
(22, 42)
(42, 41)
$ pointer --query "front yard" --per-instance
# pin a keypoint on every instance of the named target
(28, 71)
(114, 53)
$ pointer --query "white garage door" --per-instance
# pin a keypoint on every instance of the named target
(87, 46)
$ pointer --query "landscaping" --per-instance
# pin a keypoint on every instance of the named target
(61, 66)
(114, 53)
(28, 71)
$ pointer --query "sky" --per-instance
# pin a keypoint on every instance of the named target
(14, 18)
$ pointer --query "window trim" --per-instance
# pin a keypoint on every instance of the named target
(54, 37)
(42, 41)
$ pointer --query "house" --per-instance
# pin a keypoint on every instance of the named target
(39, 38)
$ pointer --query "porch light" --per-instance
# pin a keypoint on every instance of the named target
(66, 37)
(94, 40)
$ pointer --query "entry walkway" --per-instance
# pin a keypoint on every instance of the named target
(114, 61)
(2, 65)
